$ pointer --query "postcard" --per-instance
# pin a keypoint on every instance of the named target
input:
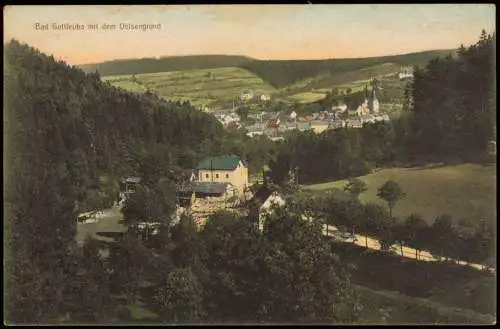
(250, 164)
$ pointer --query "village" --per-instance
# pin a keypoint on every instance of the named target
(275, 125)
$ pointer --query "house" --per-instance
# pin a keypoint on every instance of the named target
(354, 123)
(366, 119)
(362, 109)
(319, 126)
(246, 95)
(187, 193)
(341, 106)
(130, 184)
(303, 126)
(268, 206)
(225, 169)
(287, 127)
(337, 123)
(265, 98)
(405, 73)
(253, 131)
(273, 122)
(383, 117)
(277, 139)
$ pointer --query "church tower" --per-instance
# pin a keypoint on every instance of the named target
(375, 104)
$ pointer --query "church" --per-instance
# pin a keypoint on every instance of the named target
(371, 104)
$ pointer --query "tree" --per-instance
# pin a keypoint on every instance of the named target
(391, 193)
(243, 112)
(130, 260)
(88, 295)
(180, 299)
(355, 186)
(417, 232)
(186, 241)
(399, 234)
(149, 205)
(231, 253)
(374, 222)
(349, 90)
(303, 281)
(442, 232)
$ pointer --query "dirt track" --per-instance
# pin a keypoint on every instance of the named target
(375, 245)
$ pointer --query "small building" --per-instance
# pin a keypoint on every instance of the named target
(303, 126)
(382, 117)
(354, 123)
(405, 73)
(267, 208)
(337, 123)
(254, 131)
(341, 106)
(246, 95)
(265, 98)
(225, 169)
(319, 126)
(129, 185)
(187, 193)
(362, 109)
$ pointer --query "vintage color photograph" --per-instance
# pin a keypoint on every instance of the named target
(250, 164)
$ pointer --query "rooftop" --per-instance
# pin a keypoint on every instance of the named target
(204, 187)
(221, 162)
(133, 180)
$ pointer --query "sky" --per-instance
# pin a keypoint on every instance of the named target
(259, 31)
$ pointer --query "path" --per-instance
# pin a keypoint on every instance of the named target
(332, 231)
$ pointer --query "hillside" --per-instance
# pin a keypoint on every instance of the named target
(216, 87)
(163, 64)
(283, 73)
(466, 192)
(215, 80)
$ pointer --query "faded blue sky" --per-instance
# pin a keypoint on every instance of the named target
(260, 31)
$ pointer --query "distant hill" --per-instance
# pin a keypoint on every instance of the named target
(282, 73)
(216, 80)
(164, 64)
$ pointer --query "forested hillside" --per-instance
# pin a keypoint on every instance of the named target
(164, 64)
(281, 73)
(69, 139)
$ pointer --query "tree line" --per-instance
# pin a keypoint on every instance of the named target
(472, 243)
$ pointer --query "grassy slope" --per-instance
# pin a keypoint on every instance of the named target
(465, 191)
(293, 80)
(389, 307)
(222, 86)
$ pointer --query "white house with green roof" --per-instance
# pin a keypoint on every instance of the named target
(225, 169)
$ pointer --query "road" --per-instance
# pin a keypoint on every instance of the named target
(361, 240)
(109, 221)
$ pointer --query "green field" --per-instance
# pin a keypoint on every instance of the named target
(389, 307)
(467, 192)
(307, 97)
(202, 87)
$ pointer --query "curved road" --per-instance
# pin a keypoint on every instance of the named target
(332, 231)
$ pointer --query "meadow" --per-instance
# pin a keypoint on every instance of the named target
(391, 307)
(202, 87)
(466, 192)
